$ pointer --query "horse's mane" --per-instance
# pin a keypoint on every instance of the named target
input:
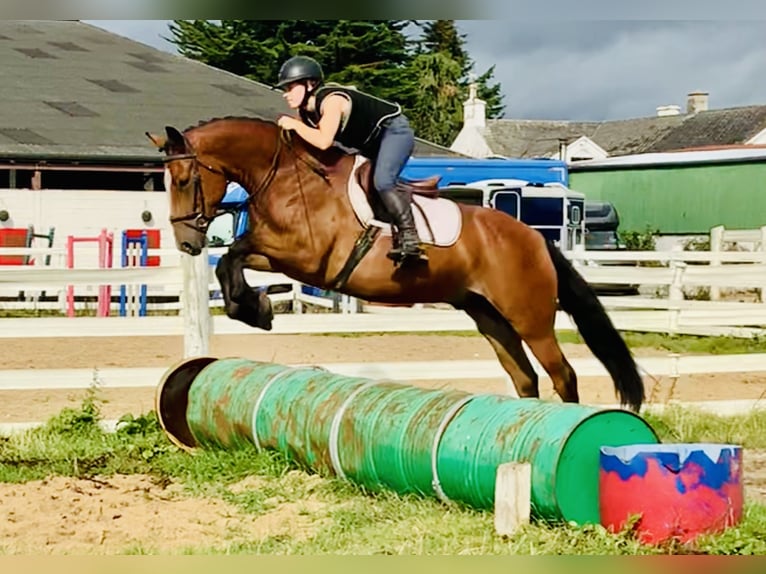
(329, 157)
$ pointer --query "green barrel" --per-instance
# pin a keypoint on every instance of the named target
(388, 435)
(560, 441)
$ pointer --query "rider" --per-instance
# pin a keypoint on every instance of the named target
(376, 128)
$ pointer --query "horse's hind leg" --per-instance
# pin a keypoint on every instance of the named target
(535, 325)
(546, 349)
(506, 343)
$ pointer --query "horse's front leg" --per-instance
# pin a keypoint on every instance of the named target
(241, 301)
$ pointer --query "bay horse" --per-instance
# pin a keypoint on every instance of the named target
(314, 218)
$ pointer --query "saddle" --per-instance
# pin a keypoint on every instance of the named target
(428, 187)
(437, 219)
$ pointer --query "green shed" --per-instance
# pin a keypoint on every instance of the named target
(684, 193)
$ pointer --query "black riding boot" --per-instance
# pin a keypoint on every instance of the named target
(408, 245)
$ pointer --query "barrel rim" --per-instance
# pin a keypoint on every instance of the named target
(178, 378)
(563, 445)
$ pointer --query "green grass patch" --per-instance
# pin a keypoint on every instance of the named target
(688, 424)
(672, 343)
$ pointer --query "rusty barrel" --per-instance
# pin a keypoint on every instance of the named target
(389, 435)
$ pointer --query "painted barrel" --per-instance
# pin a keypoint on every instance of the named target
(677, 491)
(389, 435)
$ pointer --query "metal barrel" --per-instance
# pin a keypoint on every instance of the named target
(388, 435)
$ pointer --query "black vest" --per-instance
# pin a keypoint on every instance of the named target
(362, 126)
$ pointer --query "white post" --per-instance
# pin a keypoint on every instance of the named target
(676, 291)
(196, 304)
(513, 497)
(763, 249)
(297, 293)
(716, 245)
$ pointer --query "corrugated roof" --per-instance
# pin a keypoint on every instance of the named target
(72, 90)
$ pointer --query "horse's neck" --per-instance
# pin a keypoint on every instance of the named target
(299, 194)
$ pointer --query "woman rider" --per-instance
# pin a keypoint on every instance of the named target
(376, 128)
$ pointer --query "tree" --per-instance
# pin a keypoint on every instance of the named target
(442, 36)
(428, 75)
(437, 109)
(249, 48)
(373, 55)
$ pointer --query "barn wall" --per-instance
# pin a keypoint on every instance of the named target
(680, 199)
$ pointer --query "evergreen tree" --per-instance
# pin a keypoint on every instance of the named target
(428, 76)
(442, 36)
(437, 109)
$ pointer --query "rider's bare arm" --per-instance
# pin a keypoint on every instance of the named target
(324, 136)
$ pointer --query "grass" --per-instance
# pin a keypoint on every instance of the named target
(720, 345)
(344, 518)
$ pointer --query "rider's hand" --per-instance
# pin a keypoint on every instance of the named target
(287, 122)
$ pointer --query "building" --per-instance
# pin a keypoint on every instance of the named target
(668, 130)
(680, 193)
(77, 101)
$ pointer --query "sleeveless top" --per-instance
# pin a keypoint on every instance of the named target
(361, 127)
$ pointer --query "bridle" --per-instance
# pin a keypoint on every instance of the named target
(199, 220)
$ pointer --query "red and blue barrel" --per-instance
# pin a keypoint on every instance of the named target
(672, 491)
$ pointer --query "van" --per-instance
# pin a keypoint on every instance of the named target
(601, 234)
(601, 224)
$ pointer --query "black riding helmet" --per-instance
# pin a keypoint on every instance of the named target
(299, 68)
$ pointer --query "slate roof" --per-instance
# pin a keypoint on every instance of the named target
(72, 91)
(727, 126)
(533, 138)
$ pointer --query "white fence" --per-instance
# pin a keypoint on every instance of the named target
(674, 273)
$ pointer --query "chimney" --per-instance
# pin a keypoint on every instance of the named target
(696, 102)
(474, 109)
(671, 110)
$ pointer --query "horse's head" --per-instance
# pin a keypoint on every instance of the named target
(194, 193)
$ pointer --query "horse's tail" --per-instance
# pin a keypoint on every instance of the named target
(578, 299)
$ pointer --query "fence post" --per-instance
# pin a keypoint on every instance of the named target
(196, 304)
(763, 249)
(716, 245)
(676, 292)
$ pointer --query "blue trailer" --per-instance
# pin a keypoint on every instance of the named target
(463, 171)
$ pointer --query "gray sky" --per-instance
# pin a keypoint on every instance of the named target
(594, 70)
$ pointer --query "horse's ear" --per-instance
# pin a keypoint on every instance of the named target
(157, 140)
(176, 142)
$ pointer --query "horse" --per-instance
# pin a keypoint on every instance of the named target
(314, 217)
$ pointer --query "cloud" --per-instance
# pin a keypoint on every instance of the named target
(594, 70)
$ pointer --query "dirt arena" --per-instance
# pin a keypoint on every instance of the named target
(102, 516)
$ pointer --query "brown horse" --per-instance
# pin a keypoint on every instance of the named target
(305, 223)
